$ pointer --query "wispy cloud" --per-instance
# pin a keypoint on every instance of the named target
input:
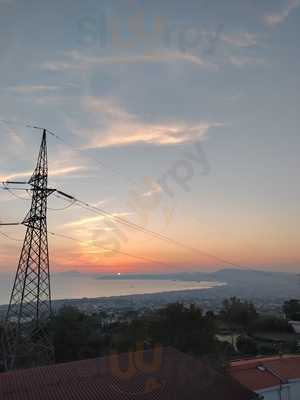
(74, 60)
(114, 126)
(279, 17)
(55, 172)
(101, 202)
(243, 39)
(93, 220)
(29, 89)
(242, 61)
(67, 170)
(156, 188)
(12, 133)
(138, 132)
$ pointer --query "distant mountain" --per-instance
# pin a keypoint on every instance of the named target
(246, 283)
(72, 273)
(264, 286)
(233, 275)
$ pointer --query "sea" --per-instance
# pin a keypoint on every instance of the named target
(76, 287)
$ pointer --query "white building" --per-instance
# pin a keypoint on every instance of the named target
(274, 378)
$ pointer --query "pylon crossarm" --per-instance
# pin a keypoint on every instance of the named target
(10, 223)
(14, 183)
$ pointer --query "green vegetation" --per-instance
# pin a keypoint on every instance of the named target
(271, 323)
(186, 328)
(247, 346)
(291, 308)
(237, 330)
(239, 313)
(77, 335)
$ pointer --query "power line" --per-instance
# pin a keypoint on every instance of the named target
(141, 229)
(23, 124)
(10, 238)
(108, 249)
(154, 234)
(56, 136)
(129, 224)
(11, 191)
(71, 204)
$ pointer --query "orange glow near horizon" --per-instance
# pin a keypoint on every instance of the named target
(87, 256)
(240, 248)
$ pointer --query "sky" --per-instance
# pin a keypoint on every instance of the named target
(181, 117)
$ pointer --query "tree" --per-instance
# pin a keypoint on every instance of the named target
(246, 346)
(272, 323)
(291, 309)
(76, 335)
(185, 328)
(1, 348)
(238, 312)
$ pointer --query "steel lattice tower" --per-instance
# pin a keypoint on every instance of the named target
(27, 341)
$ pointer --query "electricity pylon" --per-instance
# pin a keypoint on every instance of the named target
(26, 340)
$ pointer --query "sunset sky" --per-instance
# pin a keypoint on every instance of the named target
(182, 117)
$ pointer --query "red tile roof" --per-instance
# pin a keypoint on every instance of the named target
(173, 376)
(248, 374)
